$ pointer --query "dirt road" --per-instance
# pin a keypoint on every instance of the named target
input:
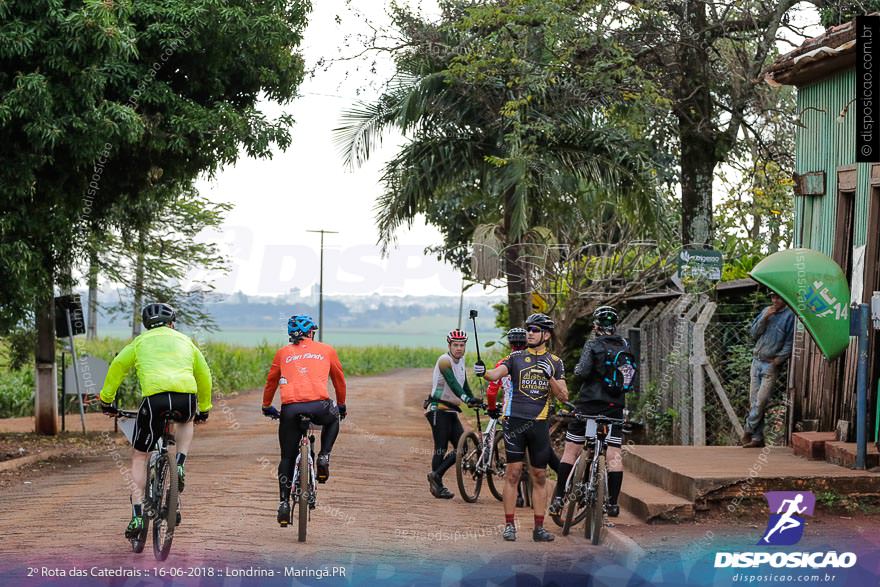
(375, 515)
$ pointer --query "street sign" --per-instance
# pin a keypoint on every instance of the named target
(72, 304)
(92, 372)
(539, 304)
(700, 264)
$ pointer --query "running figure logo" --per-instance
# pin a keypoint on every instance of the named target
(786, 526)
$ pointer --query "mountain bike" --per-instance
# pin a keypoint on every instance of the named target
(480, 454)
(305, 478)
(161, 499)
(586, 490)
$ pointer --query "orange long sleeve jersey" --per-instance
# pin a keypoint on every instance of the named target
(300, 372)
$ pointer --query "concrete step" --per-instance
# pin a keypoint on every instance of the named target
(651, 503)
(811, 445)
(844, 454)
(721, 473)
(659, 475)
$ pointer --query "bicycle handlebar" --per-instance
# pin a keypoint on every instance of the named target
(117, 413)
(599, 419)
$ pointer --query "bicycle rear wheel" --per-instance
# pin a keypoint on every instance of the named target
(594, 526)
(497, 468)
(466, 458)
(574, 498)
(304, 488)
(166, 507)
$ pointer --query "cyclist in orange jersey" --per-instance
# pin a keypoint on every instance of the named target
(300, 371)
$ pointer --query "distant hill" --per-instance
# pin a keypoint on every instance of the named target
(408, 321)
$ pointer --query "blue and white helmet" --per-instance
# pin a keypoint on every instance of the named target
(300, 325)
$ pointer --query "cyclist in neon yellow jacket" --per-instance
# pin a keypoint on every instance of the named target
(174, 378)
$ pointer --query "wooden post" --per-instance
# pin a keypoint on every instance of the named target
(731, 414)
(46, 381)
(698, 359)
(678, 336)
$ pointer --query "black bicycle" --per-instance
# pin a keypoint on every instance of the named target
(586, 490)
(480, 454)
(305, 477)
(161, 499)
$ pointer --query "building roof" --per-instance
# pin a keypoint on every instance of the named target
(724, 288)
(833, 50)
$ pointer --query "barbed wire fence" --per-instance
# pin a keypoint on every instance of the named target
(695, 372)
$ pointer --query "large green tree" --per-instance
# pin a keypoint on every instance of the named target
(705, 58)
(102, 103)
(509, 109)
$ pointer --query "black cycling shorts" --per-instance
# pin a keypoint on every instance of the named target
(577, 429)
(148, 426)
(521, 434)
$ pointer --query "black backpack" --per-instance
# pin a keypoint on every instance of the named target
(617, 370)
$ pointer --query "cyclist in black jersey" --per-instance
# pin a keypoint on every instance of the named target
(536, 377)
(596, 399)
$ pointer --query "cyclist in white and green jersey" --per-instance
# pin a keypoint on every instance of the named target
(174, 379)
(449, 387)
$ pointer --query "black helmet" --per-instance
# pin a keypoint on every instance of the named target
(541, 320)
(605, 317)
(516, 336)
(157, 314)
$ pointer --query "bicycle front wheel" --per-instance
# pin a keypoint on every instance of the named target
(497, 468)
(304, 489)
(166, 508)
(594, 526)
(467, 456)
(574, 498)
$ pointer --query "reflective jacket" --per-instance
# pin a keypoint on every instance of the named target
(165, 360)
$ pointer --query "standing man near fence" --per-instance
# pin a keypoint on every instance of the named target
(772, 330)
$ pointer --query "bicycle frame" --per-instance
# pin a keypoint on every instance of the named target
(165, 440)
(598, 446)
(487, 439)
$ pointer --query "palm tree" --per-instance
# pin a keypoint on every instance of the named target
(488, 152)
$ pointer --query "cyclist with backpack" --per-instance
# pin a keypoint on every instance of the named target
(300, 371)
(174, 379)
(536, 377)
(607, 369)
(449, 388)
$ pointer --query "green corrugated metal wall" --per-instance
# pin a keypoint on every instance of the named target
(826, 145)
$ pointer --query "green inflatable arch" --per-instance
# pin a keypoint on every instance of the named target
(815, 288)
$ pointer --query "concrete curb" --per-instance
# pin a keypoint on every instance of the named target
(13, 464)
(623, 546)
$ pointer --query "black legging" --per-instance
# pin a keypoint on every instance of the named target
(324, 414)
(553, 463)
(446, 428)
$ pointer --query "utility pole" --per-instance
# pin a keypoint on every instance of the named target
(321, 284)
(461, 302)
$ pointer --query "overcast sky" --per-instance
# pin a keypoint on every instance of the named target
(307, 187)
